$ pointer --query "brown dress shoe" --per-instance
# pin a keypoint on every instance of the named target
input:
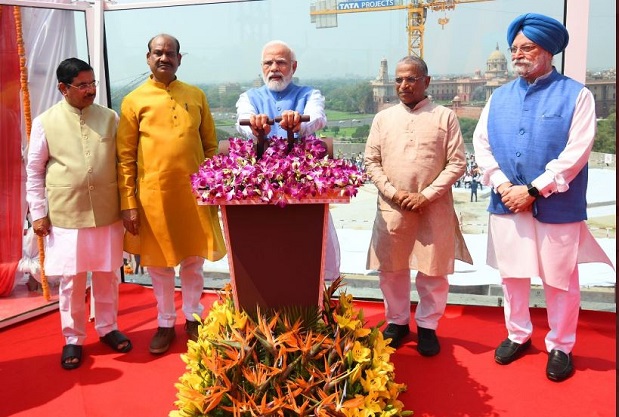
(162, 340)
(191, 328)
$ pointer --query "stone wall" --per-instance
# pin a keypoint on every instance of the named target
(601, 160)
(347, 150)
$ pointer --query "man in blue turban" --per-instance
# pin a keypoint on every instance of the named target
(532, 143)
(544, 31)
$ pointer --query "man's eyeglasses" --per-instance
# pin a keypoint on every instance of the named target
(410, 80)
(525, 49)
(84, 87)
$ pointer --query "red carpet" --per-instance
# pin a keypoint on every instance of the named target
(462, 381)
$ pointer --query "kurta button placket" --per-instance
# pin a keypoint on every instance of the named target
(411, 130)
(173, 109)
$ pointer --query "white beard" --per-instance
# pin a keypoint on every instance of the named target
(526, 67)
(278, 85)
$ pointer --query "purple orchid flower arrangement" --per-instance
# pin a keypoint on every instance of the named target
(278, 177)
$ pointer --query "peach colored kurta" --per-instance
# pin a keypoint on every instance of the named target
(164, 134)
(418, 150)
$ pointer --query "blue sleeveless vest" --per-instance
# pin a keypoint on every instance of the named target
(273, 103)
(528, 126)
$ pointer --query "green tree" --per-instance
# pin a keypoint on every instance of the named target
(362, 132)
(606, 137)
(467, 126)
(228, 100)
(351, 98)
(222, 135)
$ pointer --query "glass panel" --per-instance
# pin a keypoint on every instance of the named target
(601, 80)
(602, 55)
(463, 43)
(350, 56)
(222, 42)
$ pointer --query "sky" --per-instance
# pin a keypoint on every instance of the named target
(223, 42)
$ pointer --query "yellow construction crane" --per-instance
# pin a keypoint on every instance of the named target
(324, 14)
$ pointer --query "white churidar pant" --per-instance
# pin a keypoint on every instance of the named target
(521, 247)
(562, 308)
(332, 255)
(192, 284)
(72, 304)
(432, 290)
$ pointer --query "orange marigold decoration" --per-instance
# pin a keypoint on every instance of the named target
(28, 119)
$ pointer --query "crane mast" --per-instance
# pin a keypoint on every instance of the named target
(324, 14)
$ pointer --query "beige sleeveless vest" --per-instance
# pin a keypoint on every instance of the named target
(81, 180)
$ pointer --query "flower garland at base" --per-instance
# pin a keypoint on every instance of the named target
(272, 366)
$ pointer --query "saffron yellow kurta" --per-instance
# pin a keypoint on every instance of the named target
(163, 136)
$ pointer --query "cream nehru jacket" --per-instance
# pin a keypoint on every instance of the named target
(81, 181)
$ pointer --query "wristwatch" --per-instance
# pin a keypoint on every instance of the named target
(533, 192)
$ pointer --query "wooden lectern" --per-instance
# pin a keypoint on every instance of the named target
(277, 254)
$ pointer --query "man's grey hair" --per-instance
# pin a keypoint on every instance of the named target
(416, 61)
(293, 56)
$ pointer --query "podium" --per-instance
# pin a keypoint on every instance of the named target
(277, 254)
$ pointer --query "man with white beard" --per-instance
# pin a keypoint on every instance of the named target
(279, 96)
(532, 143)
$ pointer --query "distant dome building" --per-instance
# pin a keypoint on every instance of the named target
(457, 92)
(496, 71)
(496, 65)
(464, 93)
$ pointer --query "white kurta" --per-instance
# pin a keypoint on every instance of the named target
(68, 251)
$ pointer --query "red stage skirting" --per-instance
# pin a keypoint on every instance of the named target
(462, 381)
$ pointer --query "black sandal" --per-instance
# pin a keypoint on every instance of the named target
(71, 352)
(115, 338)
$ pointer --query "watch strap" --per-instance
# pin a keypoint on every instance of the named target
(533, 191)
